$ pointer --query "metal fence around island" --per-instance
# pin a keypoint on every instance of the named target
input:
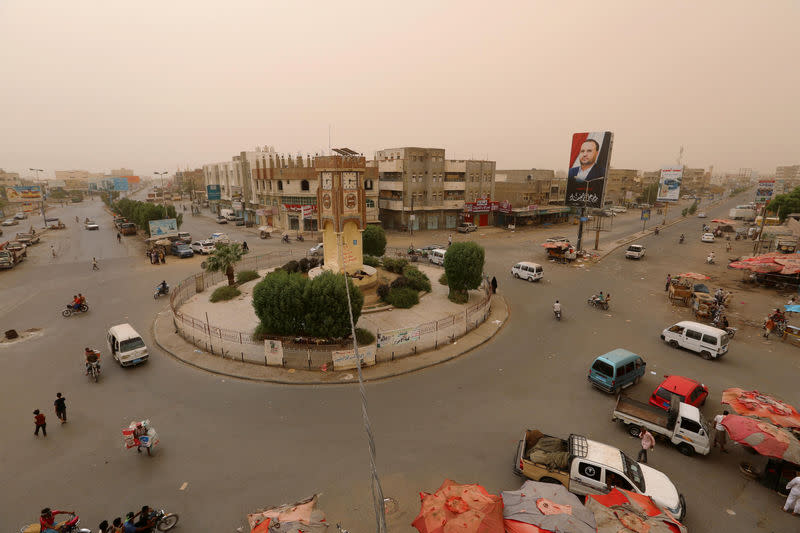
(304, 354)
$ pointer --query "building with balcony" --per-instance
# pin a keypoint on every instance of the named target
(522, 188)
(622, 186)
(420, 189)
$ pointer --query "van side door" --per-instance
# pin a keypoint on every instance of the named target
(693, 339)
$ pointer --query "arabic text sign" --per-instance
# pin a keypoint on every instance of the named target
(24, 193)
(345, 359)
(213, 192)
(167, 227)
(120, 184)
(273, 350)
(669, 186)
(398, 336)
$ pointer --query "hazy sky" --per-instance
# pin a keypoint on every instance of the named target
(156, 85)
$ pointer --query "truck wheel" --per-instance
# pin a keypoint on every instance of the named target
(633, 430)
(705, 354)
(673, 344)
(686, 449)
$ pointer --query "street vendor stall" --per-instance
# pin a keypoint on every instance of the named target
(560, 252)
(681, 287)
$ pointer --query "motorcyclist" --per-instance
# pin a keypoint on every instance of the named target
(556, 307)
(710, 258)
(682, 237)
(76, 303)
(162, 288)
(656, 230)
(47, 520)
(778, 316)
(92, 357)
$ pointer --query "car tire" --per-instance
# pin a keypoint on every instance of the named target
(531, 279)
(674, 344)
(634, 430)
(686, 449)
(515, 274)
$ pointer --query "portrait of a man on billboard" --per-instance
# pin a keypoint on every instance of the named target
(588, 165)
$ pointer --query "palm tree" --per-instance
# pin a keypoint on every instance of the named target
(223, 258)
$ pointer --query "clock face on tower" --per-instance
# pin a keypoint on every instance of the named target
(327, 180)
(350, 180)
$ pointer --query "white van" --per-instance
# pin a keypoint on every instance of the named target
(708, 341)
(437, 256)
(126, 345)
(226, 213)
(528, 271)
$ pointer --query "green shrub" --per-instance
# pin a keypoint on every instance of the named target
(394, 265)
(374, 240)
(443, 279)
(416, 279)
(291, 266)
(327, 313)
(314, 262)
(278, 302)
(685, 211)
(403, 298)
(364, 337)
(371, 260)
(458, 297)
(693, 208)
(243, 276)
(304, 265)
(399, 283)
(224, 293)
(383, 291)
(463, 263)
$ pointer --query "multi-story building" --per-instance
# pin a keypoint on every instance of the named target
(529, 187)
(787, 178)
(695, 180)
(191, 182)
(420, 189)
(277, 190)
(8, 179)
(622, 185)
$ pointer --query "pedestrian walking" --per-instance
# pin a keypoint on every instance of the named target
(449, 240)
(95, 266)
(163, 257)
(792, 504)
(648, 443)
(494, 285)
(669, 280)
(720, 437)
(41, 423)
(61, 407)
(104, 527)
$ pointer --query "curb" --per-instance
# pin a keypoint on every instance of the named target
(381, 376)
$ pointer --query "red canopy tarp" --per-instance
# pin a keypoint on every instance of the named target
(622, 510)
(754, 404)
(765, 438)
(771, 263)
(463, 508)
(560, 245)
(723, 221)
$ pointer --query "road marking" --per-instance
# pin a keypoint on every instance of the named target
(183, 487)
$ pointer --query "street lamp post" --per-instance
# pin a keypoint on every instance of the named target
(37, 170)
(163, 201)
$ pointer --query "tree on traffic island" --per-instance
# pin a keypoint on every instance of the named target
(463, 264)
(326, 306)
(223, 259)
(374, 239)
(279, 304)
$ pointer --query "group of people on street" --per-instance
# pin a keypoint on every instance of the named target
(776, 320)
(648, 442)
(40, 420)
(157, 256)
(146, 521)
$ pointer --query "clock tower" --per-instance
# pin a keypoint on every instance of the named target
(341, 209)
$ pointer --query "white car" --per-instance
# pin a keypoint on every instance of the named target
(635, 251)
(10, 222)
(701, 215)
(220, 237)
(707, 237)
(619, 209)
(202, 247)
(91, 225)
(20, 216)
(317, 249)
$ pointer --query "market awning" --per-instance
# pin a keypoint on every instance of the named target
(767, 439)
(758, 405)
(563, 245)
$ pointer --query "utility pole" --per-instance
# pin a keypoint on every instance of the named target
(163, 201)
(41, 204)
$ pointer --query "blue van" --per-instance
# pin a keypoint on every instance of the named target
(615, 370)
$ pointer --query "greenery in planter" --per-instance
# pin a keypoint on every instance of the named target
(374, 240)
(463, 264)
(223, 258)
(443, 278)
(246, 275)
(416, 279)
(364, 337)
(225, 292)
(394, 265)
(371, 260)
(403, 298)
(327, 313)
(279, 303)
(383, 291)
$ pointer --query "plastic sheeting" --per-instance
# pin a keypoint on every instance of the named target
(623, 511)
(755, 404)
(462, 508)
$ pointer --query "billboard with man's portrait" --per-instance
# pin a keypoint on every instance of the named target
(589, 158)
(669, 185)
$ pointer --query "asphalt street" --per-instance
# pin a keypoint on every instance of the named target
(229, 447)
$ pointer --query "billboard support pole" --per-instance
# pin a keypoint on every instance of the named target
(666, 209)
(580, 226)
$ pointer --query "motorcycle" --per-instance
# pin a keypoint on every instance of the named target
(300, 238)
(71, 309)
(656, 230)
(165, 521)
(710, 260)
(68, 526)
(557, 314)
(93, 370)
(680, 241)
(595, 301)
(160, 292)
(285, 239)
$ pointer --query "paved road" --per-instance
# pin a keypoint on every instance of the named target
(241, 445)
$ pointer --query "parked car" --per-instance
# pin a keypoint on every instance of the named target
(686, 390)
(701, 215)
(27, 238)
(238, 221)
(20, 216)
(317, 249)
(466, 227)
(19, 247)
(10, 222)
(181, 249)
(707, 237)
(619, 209)
(127, 228)
(91, 225)
(184, 237)
(202, 247)
(222, 220)
(634, 251)
(527, 271)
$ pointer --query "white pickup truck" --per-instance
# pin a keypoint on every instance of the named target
(634, 251)
(683, 424)
(588, 467)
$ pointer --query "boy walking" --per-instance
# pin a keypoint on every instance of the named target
(648, 443)
(39, 420)
(61, 407)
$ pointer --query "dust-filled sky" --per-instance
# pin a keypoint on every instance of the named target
(162, 84)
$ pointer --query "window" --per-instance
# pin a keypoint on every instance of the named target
(616, 480)
(589, 470)
(304, 185)
(667, 395)
(633, 471)
(695, 394)
(280, 185)
(603, 368)
(690, 425)
(693, 334)
(369, 203)
(710, 339)
(368, 185)
(628, 368)
(676, 329)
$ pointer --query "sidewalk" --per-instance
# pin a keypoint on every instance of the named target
(168, 340)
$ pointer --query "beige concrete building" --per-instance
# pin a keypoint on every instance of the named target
(8, 179)
(787, 178)
(420, 189)
(522, 188)
(622, 185)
